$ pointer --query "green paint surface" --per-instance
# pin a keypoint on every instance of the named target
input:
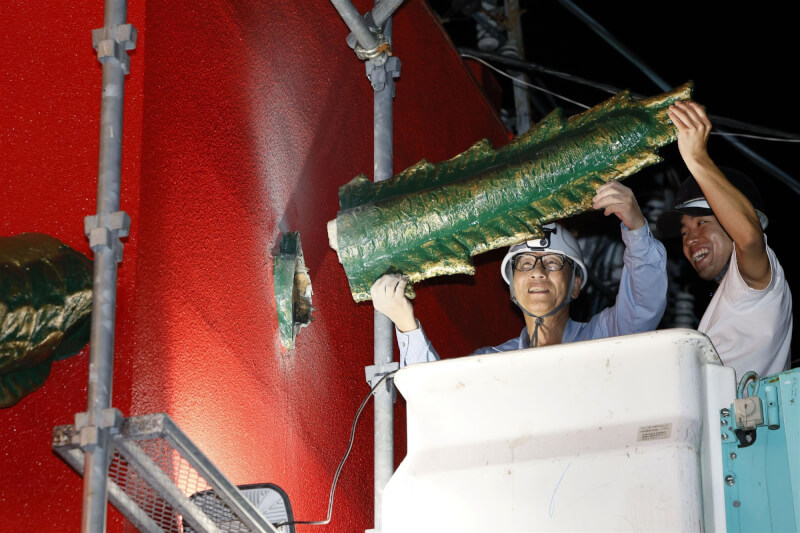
(45, 310)
(292, 289)
(430, 219)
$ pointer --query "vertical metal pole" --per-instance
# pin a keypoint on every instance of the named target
(521, 102)
(383, 150)
(384, 414)
(381, 68)
(383, 326)
(103, 231)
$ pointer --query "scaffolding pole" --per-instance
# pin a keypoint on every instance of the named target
(382, 79)
(516, 48)
(370, 38)
(104, 231)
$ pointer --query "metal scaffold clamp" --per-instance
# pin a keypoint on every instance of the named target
(105, 230)
(88, 436)
(378, 53)
(379, 73)
(113, 43)
(374, 373)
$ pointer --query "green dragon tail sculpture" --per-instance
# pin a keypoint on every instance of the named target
(292, 289)
(430, 219)
(45, 310)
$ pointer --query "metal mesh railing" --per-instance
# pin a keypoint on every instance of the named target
(142, 493)
(162, 483)
(220, 513)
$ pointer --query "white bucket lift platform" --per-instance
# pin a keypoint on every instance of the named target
(616, 434)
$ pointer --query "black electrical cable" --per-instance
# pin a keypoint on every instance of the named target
(341, 463)
(523, 65)
(766, 165)
(520, 64)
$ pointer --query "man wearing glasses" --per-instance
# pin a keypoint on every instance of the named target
(545, 275)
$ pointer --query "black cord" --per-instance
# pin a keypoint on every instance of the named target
(527, 66)
(341, 464)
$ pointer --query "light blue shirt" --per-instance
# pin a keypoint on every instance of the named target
(641, 300)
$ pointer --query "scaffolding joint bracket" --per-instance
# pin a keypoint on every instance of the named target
(379, 73)
(88, 436)
(105, 230)
(113, 43)
(374, 373)
(378, 53)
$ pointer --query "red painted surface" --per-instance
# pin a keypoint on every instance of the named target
(242, 120)
(49, 137)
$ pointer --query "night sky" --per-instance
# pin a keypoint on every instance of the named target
(742, 59)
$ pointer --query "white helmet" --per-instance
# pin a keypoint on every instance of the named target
(556, 240)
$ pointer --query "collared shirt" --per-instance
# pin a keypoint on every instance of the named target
(640, 303)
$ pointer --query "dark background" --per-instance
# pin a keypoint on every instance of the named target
(742, 59)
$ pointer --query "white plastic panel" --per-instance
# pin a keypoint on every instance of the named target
(602, 435)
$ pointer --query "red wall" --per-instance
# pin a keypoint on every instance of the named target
(49, 137)
(242, 120)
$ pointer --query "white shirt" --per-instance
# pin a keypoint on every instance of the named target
(751, 329)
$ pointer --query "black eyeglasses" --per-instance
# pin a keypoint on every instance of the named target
(551, 262)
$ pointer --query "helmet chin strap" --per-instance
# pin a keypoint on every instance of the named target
(534, 339)
(722, 272)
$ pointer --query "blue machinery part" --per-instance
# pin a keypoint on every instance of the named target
(761, 454)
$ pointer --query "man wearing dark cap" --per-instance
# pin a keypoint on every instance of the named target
(720, 218)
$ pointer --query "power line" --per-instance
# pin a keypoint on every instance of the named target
(772, 135)
(521, 82)
(605, 35)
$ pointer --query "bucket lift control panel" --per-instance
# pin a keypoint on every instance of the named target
(761, 467)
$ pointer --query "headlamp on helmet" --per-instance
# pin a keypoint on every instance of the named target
(556, 240)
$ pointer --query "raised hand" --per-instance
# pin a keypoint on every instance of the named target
(694, 128)
(617, 199)
(388, 297)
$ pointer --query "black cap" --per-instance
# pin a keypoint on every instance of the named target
(669, 222)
